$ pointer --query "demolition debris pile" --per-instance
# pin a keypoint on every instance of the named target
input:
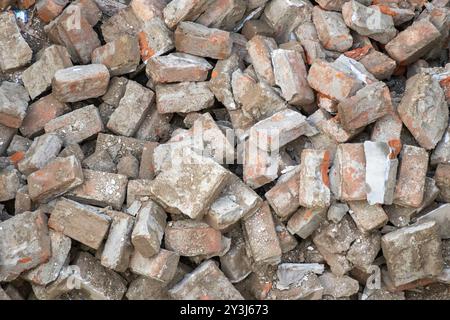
(224, 149)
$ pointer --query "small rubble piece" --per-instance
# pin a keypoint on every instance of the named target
(207, 281)
(25, 244)
(423, 110)
(338, 287)
(381, 172)
(413, 253)
(305, 221)
(314, 181)
(83, 223)
(14, 50)
(13, 104)
(441, 216)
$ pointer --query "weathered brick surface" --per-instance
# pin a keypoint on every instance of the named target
(13, 104)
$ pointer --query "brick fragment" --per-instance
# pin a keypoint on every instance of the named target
(83, 223)
(205, 282)
(202, 41)
(155, 39)
(256, 27)
(138, 190)
(149, 229)
(440, 215)
(179, 10)
(192, 238)
(306, 33)
(132, 109)
(368, 21)
(25, 244)
(13, 104)
(441, 153)
(314, 191)
(6, 135)
(98, 282)
(40, 113)
(220, 83)
(407, 262)
(101, 189)
(338, 287)
(117, 250)
(177, 67)
(128, 166)
(290, 75)
(423, 110)
(331, 29)
(367, 217)
(183, 97)
(47, 10)
(22, 203)
(411, 176)
(161, 267)
(305, 221)
(260, 50)
(264, 246)
(156, 126)
(442, 178)
(120, 56)
(56, 178)
(378, 64)
(123, 22)
(236, 264)
(119, 146)
(49, 271)
(14, 52)
(147, 165)
(10, 184)
(100, 161)
(148, 9)
(38, 77)
(413, 42)
(80, 82)
(223, 14)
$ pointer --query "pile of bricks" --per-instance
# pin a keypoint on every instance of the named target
(225, 149)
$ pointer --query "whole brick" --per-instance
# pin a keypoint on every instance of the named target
(148, 230)
(101, 189)
(161, 267)
(314, 181)
(205, 282)
(183, 97)
(56, 178)
(348, 173)
(202, 41)
(40, 113)
(98, 282)
(177, 67)
(83, 223)
(410, 185)
(14, 50)
(369, 22)
(44, 149)
(117, 249)
(423, 110)
(331, 29)
(182, 10)
(290, 75)
(407, 262)
(261, 236)
(132, 109)
(38, 77)
(366, 106)
(259, 50)
(191, 238)
(25, 244)
(120, 56)
(49, 271)
(413, 42)
(13, 104)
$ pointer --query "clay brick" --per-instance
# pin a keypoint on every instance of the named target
(38, 77)
(442, 177)
(14, 50)
(9, 183)
(101, 189)
(314, 184)
(156, 126)
(25, 244)
(338, 287)
(56, 178)
(138, 190)
(148, 9)
(411, 176)
(83, 223)
(128, 166)
(223, 14)
(149, 229)
(441, 216)
(290, 75)
(183, 97)
(423, 110)
(177, 67)
(256, 27)
(80, 82)
(40, 113)
(202, 41)
(6, 135)
(388, 129)
(378, 64)
(120, 56)
(366, 106)
(76, 126)
(147, 166)
(123, 22)
(47, 10)
(22, 203)
(260, 50)
(13, 104)
(119, 146)
(367, 217)
(205, 282)
(413, 42)
(264, 246)
(161, 267)
(283, 197)
(305, 221)
(408, 262)
(179, 10)
(132, 108)
(155, 39)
